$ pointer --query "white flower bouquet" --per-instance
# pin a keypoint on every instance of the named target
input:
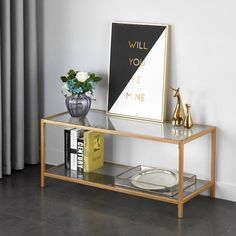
(79, 82)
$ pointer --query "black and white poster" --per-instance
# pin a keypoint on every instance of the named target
(137, 76)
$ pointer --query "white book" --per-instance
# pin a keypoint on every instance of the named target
(73, 174)
(73, 161)
(73, 139)
(75, 134)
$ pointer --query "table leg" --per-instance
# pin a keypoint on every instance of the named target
(213, 162)
(42, 153)
(181, 174)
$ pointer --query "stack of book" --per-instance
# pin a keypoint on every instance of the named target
(84, 150)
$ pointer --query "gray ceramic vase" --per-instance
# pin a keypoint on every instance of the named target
(78, 106)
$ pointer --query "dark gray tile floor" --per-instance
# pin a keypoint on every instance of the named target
(70, 209)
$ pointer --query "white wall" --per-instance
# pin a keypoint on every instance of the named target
(76, 34)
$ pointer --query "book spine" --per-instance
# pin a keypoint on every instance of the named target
(67, 148)
(73, 139)
(74, 135)
(86, 151)
(93, 150)
(73, 161)
(80, 155)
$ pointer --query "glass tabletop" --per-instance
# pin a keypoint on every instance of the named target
(130, 127)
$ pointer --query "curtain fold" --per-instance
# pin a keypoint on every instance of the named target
(6, 85)
(19, 85)
(31, 85)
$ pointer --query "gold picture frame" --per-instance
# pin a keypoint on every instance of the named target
(138, 71)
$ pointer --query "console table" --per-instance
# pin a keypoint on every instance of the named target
(161, 132)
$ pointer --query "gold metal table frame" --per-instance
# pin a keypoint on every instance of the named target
(162, 132)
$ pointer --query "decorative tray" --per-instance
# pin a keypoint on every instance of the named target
(154, 180)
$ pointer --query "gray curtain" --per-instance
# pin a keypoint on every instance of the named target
(19, 142)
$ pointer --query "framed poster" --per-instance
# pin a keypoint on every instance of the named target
(138, 71)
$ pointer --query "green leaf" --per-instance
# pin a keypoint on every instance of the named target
(92, 75)
(63, 79)
(89, 79)
(97, 78)
(71, 74)
(78, 84)
(86, 86)
(71, 71)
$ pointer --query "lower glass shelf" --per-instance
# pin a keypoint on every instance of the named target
(105, 178)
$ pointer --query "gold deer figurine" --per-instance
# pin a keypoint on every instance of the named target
(179, 115)
(188, 122)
